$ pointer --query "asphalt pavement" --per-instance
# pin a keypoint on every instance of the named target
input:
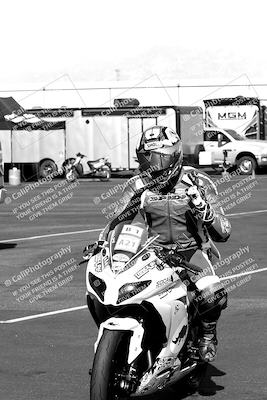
(43, 231)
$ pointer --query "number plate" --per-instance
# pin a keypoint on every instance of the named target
(132, 230)
(127, 243)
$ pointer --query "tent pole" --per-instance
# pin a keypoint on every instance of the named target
(11, 146)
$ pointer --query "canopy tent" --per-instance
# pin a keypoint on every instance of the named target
(14, 117)
(15, 120)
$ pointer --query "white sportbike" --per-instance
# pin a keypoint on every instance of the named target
(148, 325)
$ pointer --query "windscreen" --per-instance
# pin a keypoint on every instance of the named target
(125, 241)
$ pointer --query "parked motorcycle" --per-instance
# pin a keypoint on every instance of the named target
(99, 168)
(148, 327)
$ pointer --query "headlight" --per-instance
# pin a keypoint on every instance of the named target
(98, 285)
(264, 157)
(131, 289)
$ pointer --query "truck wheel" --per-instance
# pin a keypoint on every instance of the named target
(47, 167)
(246, 165)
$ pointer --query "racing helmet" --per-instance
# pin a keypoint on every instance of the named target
(159, 152)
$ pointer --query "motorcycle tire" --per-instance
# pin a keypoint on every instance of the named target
(107, 173)
(110, 359)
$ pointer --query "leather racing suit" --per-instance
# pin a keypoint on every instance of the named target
(170, 216)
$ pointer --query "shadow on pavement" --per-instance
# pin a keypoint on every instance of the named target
(181, 391)
(4, 246)
(208, 387)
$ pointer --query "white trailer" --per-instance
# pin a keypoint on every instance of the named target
(32, 144)
(96, 132)
(113, 132)
(34, 152)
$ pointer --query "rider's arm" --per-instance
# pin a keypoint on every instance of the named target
(211, 213)
(129, 207)
(219, 228)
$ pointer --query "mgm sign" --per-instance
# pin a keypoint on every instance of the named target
(232, 115)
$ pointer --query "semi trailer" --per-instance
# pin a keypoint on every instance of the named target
(113, 132)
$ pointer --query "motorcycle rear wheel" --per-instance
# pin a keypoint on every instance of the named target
(109, 362)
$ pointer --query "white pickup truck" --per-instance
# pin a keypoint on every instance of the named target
(247, 155)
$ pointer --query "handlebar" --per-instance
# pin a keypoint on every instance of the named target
(80, 155)
(191, 267)
(173, 259)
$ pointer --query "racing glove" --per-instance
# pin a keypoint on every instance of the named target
(201, 208)
(93, 248)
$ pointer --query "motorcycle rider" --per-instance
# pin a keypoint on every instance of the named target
(178, 204)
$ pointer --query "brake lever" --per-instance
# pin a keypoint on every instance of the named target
(175, 260)
(174, 257)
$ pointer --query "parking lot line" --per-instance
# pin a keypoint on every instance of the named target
(51, 235)
(246, 213)
(225, 278)
(65, 310)
(99, 229)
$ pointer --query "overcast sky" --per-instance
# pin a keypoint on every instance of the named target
(89, 40)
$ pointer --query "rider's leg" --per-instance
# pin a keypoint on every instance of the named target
(211, 300)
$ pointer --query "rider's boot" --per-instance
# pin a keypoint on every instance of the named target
(208, 341)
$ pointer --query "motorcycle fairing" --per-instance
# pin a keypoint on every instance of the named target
(160, 279)
(125, 324)
(173, 312)
(165, 292)
(167, 362)
(96, 164)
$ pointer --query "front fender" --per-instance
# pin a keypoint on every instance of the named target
(125, 324)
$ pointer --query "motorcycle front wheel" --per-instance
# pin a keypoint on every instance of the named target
(109, 367)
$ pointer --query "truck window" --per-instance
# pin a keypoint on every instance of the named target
(225, 139)
(211, 136)
(235, 135)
